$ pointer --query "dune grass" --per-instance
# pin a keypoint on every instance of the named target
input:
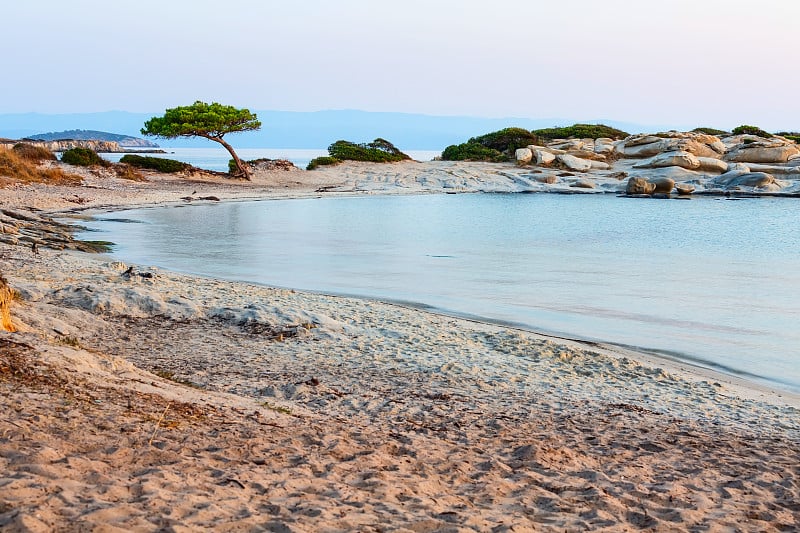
(15, 168)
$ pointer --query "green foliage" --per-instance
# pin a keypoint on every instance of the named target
(506, 140)
(378, 151)
(320, 161)
(160, 164)
(201, 120)
(710, 131)
(35, 154)
(472, 151)
(83, 157)
(211, 121)
(751, 130)
(493, 147)
(791, 135)
(581, 131)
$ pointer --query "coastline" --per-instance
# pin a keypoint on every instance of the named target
(353, 413)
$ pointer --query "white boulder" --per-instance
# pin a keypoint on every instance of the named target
(543, 157)
(574, 163)
(523, 155)
(672, 159)
(712, 164)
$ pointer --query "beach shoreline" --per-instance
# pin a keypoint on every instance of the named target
(343, 413)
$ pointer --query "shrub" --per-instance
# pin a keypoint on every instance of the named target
(160, 164)
(710, 131)
(16, 169)
(506, 140)
(378, 151)
(471, 151)
(320, 161)
(83, 157)
(128, 172)
(581, 131)
(751, 130)
(791, 135)
(33, 153)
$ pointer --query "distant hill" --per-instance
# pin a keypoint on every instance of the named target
(93, 135)
(313, 129)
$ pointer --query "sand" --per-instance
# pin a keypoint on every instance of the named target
(149, 400)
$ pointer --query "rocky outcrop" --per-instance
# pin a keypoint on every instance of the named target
(29, 229)
(678, 158)
(574, 163)
(763, 151)
(638, 186)
(63, 145)
(739, 178)
(686, 162)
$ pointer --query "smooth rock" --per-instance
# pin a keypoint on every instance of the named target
(543, 157)
(744, 179)
(672, 159)
(757, 153)
(639, 186)
(523, 155)
(583, 184)
(712, 164)
(574, 163)
(662, 185)
(604, 145)
(684, 188)
(548, 178)
(643, 150)
(600, 165)
(587, 154)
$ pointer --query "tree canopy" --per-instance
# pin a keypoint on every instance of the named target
(211, 121)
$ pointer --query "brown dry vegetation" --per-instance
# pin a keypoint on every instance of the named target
(15, 168)
(6, 296)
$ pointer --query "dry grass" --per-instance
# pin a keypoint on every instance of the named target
(33, 153)
(6, 296)
(127, 172)
(17, 169)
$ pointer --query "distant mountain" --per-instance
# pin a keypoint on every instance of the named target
(317, 129)
(93, 135)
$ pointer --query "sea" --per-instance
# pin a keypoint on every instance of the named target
(713, 282)
(216, 159)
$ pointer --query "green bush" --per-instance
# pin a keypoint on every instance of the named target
(33, 153)
(506, 140)
(471, 151)
(160, 164)
(320, 161)
(83, 157)
(750, 130)
(710, 131)
(378, 151)
(791, 135)
(581, 131)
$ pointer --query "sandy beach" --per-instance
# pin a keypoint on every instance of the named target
(138, 399)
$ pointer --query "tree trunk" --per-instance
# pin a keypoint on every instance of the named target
(243, 170)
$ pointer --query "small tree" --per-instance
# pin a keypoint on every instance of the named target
(211, 121)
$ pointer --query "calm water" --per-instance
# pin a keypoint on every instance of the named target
(217, 158)
(711, 280)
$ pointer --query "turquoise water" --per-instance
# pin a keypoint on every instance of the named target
(217, 158)
(713, 281)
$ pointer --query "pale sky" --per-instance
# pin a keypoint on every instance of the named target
(716, 63)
